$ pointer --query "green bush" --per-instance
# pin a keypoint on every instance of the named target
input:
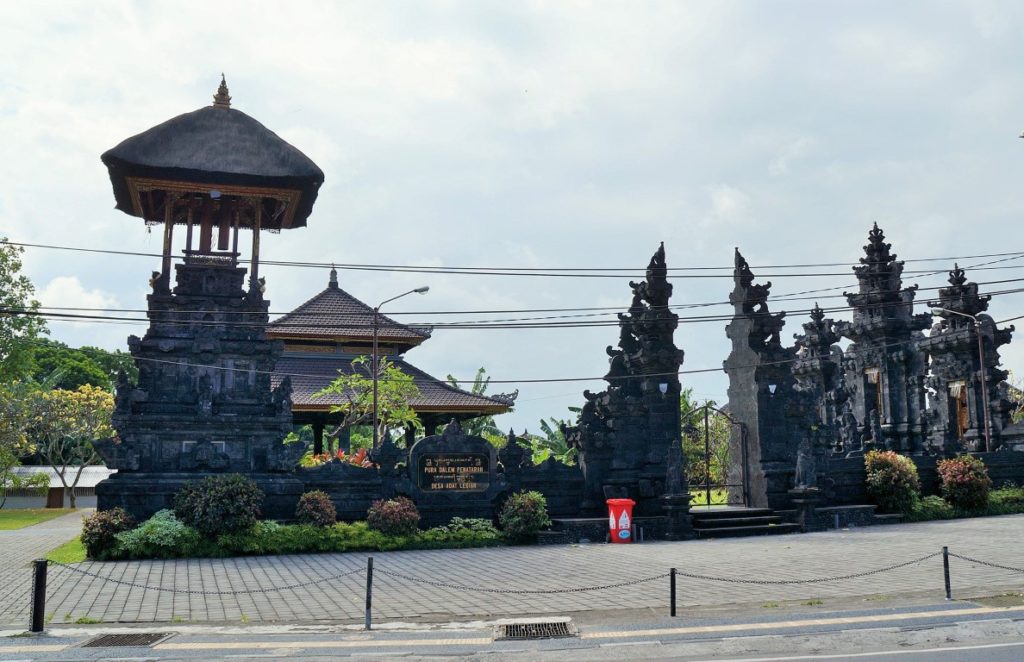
(523, 515)
(316, 508)
(219, 504)
(965, 482)
(99, 531)
(892, 481)
(161, 536)
(930, 508)
(394, 517)
(480, 525)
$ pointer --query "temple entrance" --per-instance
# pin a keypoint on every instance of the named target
(716, 478)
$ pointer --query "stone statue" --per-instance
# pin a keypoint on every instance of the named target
(848, 437)
(875, 426)
(205, 395)
(806, 466)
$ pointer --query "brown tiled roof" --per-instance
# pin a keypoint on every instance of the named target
(336, 314)
(309, 374)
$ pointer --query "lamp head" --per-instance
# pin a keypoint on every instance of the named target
(422, 290)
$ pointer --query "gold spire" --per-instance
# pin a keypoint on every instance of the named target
(222, 99)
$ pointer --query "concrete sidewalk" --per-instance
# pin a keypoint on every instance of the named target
(241, 589)
(18, 547)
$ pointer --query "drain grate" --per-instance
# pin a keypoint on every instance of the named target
(535, 630)
(133, 639)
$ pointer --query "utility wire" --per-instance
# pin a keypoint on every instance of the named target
(546, 322)
(553, 272)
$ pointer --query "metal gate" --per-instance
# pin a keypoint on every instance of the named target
(698, 426)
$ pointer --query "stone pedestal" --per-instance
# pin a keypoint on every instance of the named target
(677, 515)
(804, 500)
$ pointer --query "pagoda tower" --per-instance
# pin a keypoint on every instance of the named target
(203, 403)
(957, 396)
(884, 371)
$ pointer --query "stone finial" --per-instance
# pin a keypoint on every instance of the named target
(222, 99)
(333, 282)
(817, 314)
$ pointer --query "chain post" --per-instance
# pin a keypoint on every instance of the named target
(672, 592)
(369, 590)
(38, 595)
(945, 571)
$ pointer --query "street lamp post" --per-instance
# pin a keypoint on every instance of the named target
(984, 376)
(376, 359)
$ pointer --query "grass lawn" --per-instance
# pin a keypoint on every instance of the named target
(700, 497)
(70, 552)
(19, 519)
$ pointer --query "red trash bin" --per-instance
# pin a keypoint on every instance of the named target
(620, 520)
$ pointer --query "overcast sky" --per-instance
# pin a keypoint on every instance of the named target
(534, 134)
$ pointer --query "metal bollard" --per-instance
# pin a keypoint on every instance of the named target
(38, 595)
(369, 590)
(672, 592)
(945, 571)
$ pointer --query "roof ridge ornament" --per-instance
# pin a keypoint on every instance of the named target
(333, 281)
(222, 99)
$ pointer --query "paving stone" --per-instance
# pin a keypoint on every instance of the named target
(795, 557)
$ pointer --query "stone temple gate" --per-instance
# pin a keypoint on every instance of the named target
(893, 388)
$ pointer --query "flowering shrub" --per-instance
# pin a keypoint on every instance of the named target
(99, 531)
(161, 536)
(523, 515)
(965, 482)
(360, 459)
(394, 517)
(316, 508)
(219, 504)
(892, 481)
(314, 460)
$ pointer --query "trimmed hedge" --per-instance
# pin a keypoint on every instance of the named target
(965, 482)
(163, 536)
(892, 481)
(219, 504)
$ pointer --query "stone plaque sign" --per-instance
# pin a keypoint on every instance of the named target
(453, 475)
(453, 472)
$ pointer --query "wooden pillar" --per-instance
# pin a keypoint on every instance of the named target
(254, 271)
(188, 231)
(318, 437)
(345, 440)
(410, 436)
(165, 267)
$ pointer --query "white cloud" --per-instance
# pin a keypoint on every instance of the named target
(68, 292)
(532, 134)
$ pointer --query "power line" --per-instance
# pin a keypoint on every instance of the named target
(546, 322)
(551, 272)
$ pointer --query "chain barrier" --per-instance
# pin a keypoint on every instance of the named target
(164, 589)
(991, 565)
(818, 580)
(516, 591)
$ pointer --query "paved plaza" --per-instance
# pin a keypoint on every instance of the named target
(243, 589)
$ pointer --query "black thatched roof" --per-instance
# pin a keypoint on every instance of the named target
(214, 145)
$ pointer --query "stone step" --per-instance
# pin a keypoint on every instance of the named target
(701, 514)
(740, 531)
(731, 522)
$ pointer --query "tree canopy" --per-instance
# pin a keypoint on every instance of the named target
(395, 390)
(19, 325)
(64, 424)
(74, 367)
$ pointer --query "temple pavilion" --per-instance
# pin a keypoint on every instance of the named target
(326, 333)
